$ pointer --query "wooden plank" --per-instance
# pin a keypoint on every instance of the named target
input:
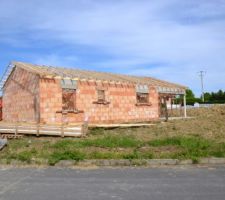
(84, 128)
(118, 125)
(62, 131)
(16, 131)
(7, 130)
(42, 130)
(38, 130)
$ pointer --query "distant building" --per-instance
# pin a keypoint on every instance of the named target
(44, 94)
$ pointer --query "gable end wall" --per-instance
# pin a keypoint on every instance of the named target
(21, 97)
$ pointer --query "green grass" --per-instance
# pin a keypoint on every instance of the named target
(112, 147)
(24, 156)
(138, 155)
(65, 155)
(110, 141)
(104, 155)
(191, 147)
(97, 131)
(184, 142)
(203, 136)
(107, 141)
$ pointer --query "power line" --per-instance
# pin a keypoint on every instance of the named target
(202, 74)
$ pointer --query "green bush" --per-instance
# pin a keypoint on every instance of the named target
(192, 101)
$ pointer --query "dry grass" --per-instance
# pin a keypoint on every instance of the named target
(201, 136)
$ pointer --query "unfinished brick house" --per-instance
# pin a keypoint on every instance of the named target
(44, 94)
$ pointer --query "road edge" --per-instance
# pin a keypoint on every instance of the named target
(114, 163)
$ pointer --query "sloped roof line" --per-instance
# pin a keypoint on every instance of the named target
(94, 75)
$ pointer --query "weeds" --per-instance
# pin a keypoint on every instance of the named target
(108, 141)
(111, 141)
(181, 139)
(65, 155)
(191, 147)
(138, 155)
(25, 156)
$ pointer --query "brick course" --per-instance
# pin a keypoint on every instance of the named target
(121, 108)
(21, 97)
(27, 97)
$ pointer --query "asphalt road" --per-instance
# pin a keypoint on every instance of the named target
(103, 184)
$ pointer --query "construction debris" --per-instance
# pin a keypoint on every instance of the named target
(11, 136)
(3, 143)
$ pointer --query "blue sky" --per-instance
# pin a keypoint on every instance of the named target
(167, 39)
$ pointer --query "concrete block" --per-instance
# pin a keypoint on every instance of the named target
(65, 163)
(216, 160)
(212, 161)
(185, 162)
(204, 161)
(162, 162)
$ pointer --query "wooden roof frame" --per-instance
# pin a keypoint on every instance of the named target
(79, 74)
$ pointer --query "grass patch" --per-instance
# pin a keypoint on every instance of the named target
(65, 155)
(104, 155)
(165, 142)
(96, 131)
(25, 156)
(67, 144)
(138, 155)
(108, 141)
(203, 136)
(112, 141)
(190, 143)
(190, 147)
(185, 142)
(218, 150)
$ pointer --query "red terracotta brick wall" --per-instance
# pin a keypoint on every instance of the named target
(20, 97)
(121, 108)
(122, 103)
(28, 98)
(50, 100)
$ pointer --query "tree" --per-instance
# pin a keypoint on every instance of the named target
(207, 96)
(189, 94)
(215, 97)
(220, 95)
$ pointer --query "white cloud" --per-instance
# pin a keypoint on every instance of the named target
(54, 60)
(183, 36)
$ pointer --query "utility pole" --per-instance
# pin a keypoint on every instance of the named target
(201, 74)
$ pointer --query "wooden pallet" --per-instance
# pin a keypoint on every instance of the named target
(43, 129)
(120, 125)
